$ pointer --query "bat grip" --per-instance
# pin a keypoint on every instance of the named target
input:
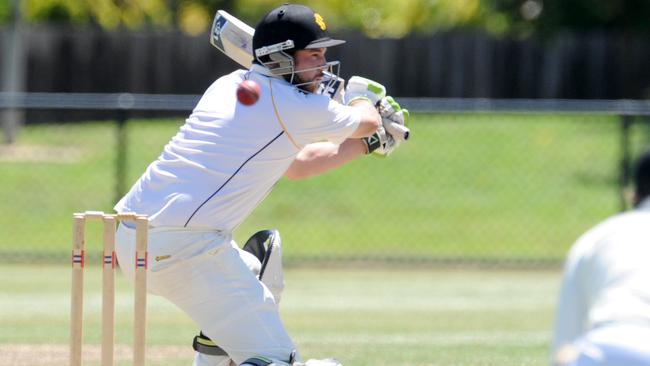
(399, 132)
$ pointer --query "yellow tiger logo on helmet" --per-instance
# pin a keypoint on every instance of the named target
(320, 21)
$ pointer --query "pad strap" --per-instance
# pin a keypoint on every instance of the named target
(203, 344)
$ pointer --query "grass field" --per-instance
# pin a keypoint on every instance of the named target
(371, 317)
(472, 186)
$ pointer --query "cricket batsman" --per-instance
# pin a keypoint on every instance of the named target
(224, 161)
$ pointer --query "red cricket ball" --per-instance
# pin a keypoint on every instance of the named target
(248, 92)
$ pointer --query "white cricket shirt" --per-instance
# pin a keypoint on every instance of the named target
(226, 158)
(607, 277)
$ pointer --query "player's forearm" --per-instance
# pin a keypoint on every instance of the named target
(321, 157)
(370, 119)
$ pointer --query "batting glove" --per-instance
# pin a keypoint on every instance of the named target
(362, 88)
(394, 118)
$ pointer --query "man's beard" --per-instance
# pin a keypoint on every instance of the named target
(307, 85)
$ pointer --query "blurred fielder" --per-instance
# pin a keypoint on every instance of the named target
(225, 160)
(603, 314)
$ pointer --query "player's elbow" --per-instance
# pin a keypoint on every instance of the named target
(307, 161)
(299, 173)
(298, 169)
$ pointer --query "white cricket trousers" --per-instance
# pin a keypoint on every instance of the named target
(203, 273)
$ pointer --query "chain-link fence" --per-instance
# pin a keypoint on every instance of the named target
(485, 182)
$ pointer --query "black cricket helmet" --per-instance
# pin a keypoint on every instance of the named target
(286, 29)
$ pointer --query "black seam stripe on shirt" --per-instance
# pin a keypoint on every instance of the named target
(231, 177)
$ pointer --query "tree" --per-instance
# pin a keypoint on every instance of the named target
(387, 18)
(192, 16)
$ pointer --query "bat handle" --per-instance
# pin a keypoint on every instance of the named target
(399, 132)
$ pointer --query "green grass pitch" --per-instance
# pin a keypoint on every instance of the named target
(465, 187)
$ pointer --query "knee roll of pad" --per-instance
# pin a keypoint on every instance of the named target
(261, 245)
(266, 245)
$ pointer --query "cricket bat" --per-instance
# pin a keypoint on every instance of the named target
(235, 39)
